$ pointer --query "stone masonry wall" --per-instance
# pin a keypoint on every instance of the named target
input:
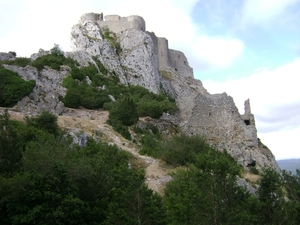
(117, 24)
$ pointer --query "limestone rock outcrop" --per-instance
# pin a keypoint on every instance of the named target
(139, 57)
(146, 60)
(47, 92)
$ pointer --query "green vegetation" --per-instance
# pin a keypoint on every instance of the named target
(123, 114)
(131, 102)
(45, 180)
(205, 190)
(13, 88)
(55, 59)
(19, 61)
(112, 39)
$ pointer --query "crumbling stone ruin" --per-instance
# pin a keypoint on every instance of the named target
(146, 60)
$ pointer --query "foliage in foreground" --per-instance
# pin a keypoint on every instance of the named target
(47, 181)
(44, 179)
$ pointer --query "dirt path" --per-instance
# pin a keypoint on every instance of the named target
(92, 121)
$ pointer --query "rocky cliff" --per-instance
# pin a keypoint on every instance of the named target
(139, 57)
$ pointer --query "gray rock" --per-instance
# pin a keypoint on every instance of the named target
(147, 61)
(7, 56)
(78, 137)
(46, 94)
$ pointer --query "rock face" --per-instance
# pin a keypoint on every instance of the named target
(138, 57)
(46, 94)
(146, 60)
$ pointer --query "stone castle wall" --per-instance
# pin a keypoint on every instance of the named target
(179, 62)
(118, 24)
(167, 57)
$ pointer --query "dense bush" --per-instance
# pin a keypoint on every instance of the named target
(55, 59)
(19, 61)
(179, 151)
(45, 180)
(59, 183)
(46, 121)
(13, 88)
(124, 111)
(51, 60)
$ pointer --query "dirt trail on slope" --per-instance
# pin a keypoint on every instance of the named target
(94, 121)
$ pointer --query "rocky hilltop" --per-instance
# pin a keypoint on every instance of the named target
(139, 57)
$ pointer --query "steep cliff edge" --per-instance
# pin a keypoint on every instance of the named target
(138, 57)
(146, 60)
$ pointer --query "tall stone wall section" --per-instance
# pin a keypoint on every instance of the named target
(118, 24)
(179, 62)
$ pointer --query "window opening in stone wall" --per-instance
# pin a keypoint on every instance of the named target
(209, 114)
(247, 122)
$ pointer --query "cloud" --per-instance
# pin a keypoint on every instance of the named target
(274, 100)
(258, 11)
(284, 144)
(217, 51)
(41, 24)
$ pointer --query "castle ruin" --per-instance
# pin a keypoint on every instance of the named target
(167, 58)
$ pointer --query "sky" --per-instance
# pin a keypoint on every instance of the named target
(246, 48)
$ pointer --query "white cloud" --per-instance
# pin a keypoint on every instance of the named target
(40, 24)
(217, 51)
(259, 11)
(275, 103)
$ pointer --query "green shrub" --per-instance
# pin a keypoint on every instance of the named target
(108, 105)
(13, 88)
(152, 146)
(150, 104)
(56, 50)
(20, 61)
(254, 170)
(77, 74)
(112, 39)
(120, 128)
(124, 111)
(54, 61)
(46, 121)
(72, 98)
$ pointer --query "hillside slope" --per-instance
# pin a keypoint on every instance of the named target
(89, 121)
(121, 47)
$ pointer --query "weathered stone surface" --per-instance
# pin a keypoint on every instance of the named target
(46, 94)
(146, 60)
(138, 60)
(40, 53)
(6, 56)
(78, 136)
(87, 42)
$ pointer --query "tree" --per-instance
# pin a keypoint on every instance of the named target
(56, 50)
(124, 111)
(45, 121)
(270, 194)
(207, 193)
(10, 147)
